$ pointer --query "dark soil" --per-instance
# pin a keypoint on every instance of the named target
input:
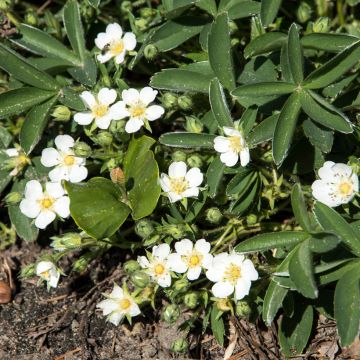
(63, 324)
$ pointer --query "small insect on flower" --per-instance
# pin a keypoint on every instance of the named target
(232, 147)
(231, 272)
(338, 184)
(113, 44)
(67, 166)
(100, 108)
(135, 105)
(190, 258)
(48, 271)
(181, 183)
(118, 305)
(156, 265)
(16, 162)
(43, 206)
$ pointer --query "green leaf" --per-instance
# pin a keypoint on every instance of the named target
(265, 43)
(22, 70)
(264, 131)
(5, 138)
(217, 325)
(41, 43)
(323, 242)
(207, 5)
(273, 240)
(334, 68)
(248, 199)
(188, 140)
(294, 332)
(214, 176)
(301, 270)
(258, 69)
(269, 10)
(72, 99)
(346, 306)
(248, 119)
(285, 128)
(74, 28)
(240, 182)
(96, 208)
(94, 3)
(328, 42)
(318, 135)
(142, 175)
(299, 208)
(284, 64)
(240, 9)
(333, 222)
(219, 106)
(335, 275)
(24, 226)
(324, 116)
(220, 53)
(18, 100)
(295, 55)
(34, 125)
(85, 74)
(264, 89)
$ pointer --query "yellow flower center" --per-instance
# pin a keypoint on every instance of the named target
(232, 273)
(159, 269)
(235, 143)
(99, 110)
(178, 185)
(125, 304)
(345, 188)
(46, 203)
(137, 111)
(45, 274)
(22, 160)
(117, 47)
(194, 260)
(69, 160)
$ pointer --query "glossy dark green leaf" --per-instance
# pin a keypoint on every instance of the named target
(318, 135)
(346, 306)
(264, 131)
(220, 53)
(22, 70)
(331, 221)
(284, 64)
(240, 9)
(5, 138)
(34, 125)
(285, 128)
(323, 242)
(264, 89)
(295, 55)
(85, 74)
(239, 183)
(96, 207)
(218, 103)
(271, 41)
(142, 177)
(72, 99)
(248, 199)
(214, 176)
(328, 42)
(19, 100)
(207, 5)
(188, 140)
(299, 208)
(5, 176)
(248, 119)
(336, 272)
(217, 325)
(269, 10)
(258, 69)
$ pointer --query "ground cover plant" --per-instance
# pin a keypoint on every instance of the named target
(210, 147)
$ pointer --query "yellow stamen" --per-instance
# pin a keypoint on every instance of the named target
(178, 185)
(69, 160)
(125, 304)
(116, 48)
(232, 273)
(194, 260)
(235, 143)
(45, 274)
(137, 111)
(345, 188)
(46, 202)
(159, 269)
(99, 110)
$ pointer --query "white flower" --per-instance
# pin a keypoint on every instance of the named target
(338, 184)
(48, 271)
(118, 305)
(181, 183)
(43, 206)
(100, 108)
(135, 106)
(67, 166)
(112, 43)
(232, 147)
(189, 258)
(18, 160)
(157, 265)
(231, 272)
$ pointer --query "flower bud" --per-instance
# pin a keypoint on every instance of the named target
(213, 215)
(243, 309)
(179, 345)
(131, 266)
(181, 285)
(68, 241)
(5, 5)
(171, 313)
(82, 149)
(28, 271)
(178, 156)
(126, 6)
(117, 127)
(151, 51)
(141, 24)
(354, 163)
(144, 228)
(147, 12)
(185, 102)
(194, 161)
(31, 18)
(140, 279)
(61, 113)
(82, 262)
(193, 125)
(191, 299)
(176, 231)
(223, 305)
(169, 100)
(321, 25)
(117, 176)
(13, 198)
(103, 138)
(303, 12)
(251, 219)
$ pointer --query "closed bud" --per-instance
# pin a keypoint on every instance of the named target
(193, 125)
(179, 345)
(354, 163)
(126, 6)
(178, 156)
(141, 24)
(61, 113)
(117, 176)
(181, 285)
(82, 262)
(194, 161)
(5, 5)
(171, 313)
(214, 215)
(185, 102)
(68, 241)
(176, 231)
(251, 219)
(169, 100)
(191, 299)
(13, 198)
(243, 309)
(223, 305)
(144, 228)
(140, 279)
(82, 149)
(151, 51)
(131, 266)
(31, 18)
(321, 25)
(303, 12)
(147, 12)
(103, 138)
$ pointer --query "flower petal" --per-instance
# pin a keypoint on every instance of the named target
(130, 96)
(221, 144)
(102, 39)
(231, 131)
(115, 318)
(202, 246)
(43, 266)
(103, 122)
(44, 219)
(161, 251)
(134, 309)
(54, 189)
(143, 262)
(129, 41)
(184, 247)
(244, 157)
(12, 152)
(229, 158)
(106, 96)
(174, 197)
(222, 289)
(117, 292)
(193, 273)
(177, 169)
(342, 169)
(54, 279)
(64, 142)
(195, 177)
(153, 112)
(108, 306)
(33, 190)
(83, 118)
(242, 288)
(59, 173)
(115, 31)
(133, 125)
(191, 192)
(78, 174)
(62, 207)
(164, 281)
(118, 111)
(176, 264)
(165, 182)
(119, 59)
(88, 98)
(321, 191)
(29, 208)
(248, 270)
(50, 157)
(148, 95)
(103, 58)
